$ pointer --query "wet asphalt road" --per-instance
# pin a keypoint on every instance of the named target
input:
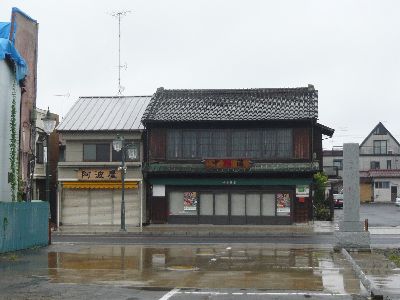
(378, 214)
(176, 272)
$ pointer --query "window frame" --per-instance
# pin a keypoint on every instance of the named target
(377, 144)
(96, 152)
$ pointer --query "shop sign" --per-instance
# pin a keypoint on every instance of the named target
(99, 174)
(241, 163)
(189, 201)
(302, 191)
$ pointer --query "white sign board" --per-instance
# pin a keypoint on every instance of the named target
(158, 190)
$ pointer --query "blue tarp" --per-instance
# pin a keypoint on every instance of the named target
(5, 30)
(8, 49)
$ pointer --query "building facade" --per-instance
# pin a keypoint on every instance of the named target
(38, 165)
(89, 173)
(379, 166)
(232, 156)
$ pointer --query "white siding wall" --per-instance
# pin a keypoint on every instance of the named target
(384, 195)
(6, 81)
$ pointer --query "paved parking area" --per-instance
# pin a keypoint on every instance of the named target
(378, 214)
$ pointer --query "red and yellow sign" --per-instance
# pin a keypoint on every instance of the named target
(227, 163)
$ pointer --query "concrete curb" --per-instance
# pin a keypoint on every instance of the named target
(376, 294)
(192, 234)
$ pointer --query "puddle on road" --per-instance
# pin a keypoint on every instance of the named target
(202, 267)
(379, 270)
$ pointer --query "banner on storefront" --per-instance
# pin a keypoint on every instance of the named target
(227, 163)
(189, 201)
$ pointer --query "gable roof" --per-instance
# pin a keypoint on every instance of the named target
(105, 113)
(232, 105)
(379, 129)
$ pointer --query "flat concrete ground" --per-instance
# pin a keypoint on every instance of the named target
(378, 214)
(76, 271)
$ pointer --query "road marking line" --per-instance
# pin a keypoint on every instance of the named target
(169, 294)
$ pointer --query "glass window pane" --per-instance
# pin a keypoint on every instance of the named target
(238, 207)
(206, 204)
(219, 143)
(189, 143)
(284, 143)
(253, 204)
(282, 204)
(253, 142)
(221, 204)
(268, 204)
(269, 143)
(89, 152)
(174, 149)
(205, 144)
(239, 143)
(103, 152)
(176, 203)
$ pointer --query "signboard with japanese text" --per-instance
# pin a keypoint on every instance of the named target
(99, 174)
(227, 163)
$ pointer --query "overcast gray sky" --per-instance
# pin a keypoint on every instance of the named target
(349, 50)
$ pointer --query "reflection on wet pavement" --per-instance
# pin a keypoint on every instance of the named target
(382, 273)
(203, 267)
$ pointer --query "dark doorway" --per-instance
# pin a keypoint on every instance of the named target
(159, 210)
(393, 191)
(301, 209)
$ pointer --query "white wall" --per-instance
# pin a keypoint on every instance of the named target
(6, 82)
(384, 195)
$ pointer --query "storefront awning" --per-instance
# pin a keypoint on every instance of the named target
(231, 181)
(99, 185)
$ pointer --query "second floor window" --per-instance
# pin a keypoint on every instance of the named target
(375, 165)
(241, 143)
(39, 153)
(338, 163)
(380, 147)
(96, 152)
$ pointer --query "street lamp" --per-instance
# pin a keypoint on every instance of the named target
(49, 123)
(119, 144)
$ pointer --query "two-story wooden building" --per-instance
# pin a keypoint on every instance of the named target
(232, 156)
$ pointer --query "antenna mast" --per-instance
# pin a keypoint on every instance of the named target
(118, 15)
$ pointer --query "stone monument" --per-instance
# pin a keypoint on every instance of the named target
(351, 234)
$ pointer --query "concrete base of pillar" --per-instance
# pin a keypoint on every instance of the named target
(351, 226)
(360, 240)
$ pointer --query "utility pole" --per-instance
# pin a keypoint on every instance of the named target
(118, 15)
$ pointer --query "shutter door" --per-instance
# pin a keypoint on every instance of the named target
(75, 207)
(101, 207)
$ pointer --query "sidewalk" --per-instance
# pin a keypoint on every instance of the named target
(311, 228)
(303, 229)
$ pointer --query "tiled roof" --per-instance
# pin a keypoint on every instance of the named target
(384, 173)
(105, 113)
(232, 105)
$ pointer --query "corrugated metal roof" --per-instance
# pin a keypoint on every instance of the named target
(105, 113)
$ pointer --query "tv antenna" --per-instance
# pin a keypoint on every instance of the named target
(119, 15)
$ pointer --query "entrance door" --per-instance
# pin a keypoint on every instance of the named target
(301, 210)
(159, 210)
(393, 191)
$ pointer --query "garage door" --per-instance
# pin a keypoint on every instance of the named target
(99, 207)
